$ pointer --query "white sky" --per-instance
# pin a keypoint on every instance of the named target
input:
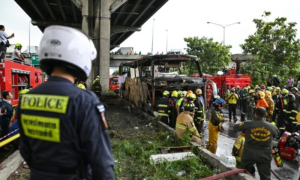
(182, 18)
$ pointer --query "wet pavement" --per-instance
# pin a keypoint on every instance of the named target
(289, 171)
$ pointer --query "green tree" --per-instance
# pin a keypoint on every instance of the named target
(276, 49)
(116, 72)
(212, 55)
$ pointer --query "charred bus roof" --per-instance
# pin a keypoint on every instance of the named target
(168, 60)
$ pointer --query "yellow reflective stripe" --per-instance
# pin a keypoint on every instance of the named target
(238, 159)
(294, 122)
(163, 114)
(292, 118)
(288, 111)
(180, 126)
(42, 128)
(192, 129)
(50, 103)
(162, 111)
(199, 111)
(294, 111)
(169, 111)
(162, 105)
(283, 128)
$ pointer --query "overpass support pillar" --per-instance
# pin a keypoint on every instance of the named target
(87, 15)
(104, 43)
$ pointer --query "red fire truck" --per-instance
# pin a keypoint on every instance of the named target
(15, 77)
(230, 79)
(227, 80)
(114, 83)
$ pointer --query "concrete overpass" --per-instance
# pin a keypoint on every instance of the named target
(107, 22)
(116, 60)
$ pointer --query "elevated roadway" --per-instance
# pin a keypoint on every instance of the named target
(107, 22)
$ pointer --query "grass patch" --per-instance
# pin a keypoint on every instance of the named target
(132, 157)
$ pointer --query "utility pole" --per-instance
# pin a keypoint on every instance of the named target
(29, 40)
(167, 42)
(152, 36)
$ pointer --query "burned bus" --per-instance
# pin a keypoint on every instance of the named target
(143, 81)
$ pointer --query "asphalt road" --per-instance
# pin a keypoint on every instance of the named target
(289, 171)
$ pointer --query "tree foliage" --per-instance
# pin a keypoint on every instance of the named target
(116, 72)
(212, 55)
(275, 47)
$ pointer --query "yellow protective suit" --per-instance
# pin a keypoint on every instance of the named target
(216, 118)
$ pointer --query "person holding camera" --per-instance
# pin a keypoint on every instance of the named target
(4, 43)
(232, 99)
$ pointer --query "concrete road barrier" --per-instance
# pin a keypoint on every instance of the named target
(12, 163)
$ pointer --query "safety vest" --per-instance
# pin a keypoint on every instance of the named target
(232, 98)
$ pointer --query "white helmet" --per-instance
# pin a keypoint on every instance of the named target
(69, 48)
(183, 93)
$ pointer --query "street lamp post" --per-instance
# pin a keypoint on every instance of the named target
(152, 36)
(224, 28)
(167, 42)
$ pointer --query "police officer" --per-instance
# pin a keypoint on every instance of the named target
(163, 107)
(259, 135)
(62, 127)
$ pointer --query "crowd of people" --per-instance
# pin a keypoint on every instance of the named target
(282, 105)
(266, 113)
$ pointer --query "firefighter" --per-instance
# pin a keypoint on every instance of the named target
(208, 96)
(214, 125)
(295, 91)
(243, 103)
(180, 103)
(238, 148)
(281, 107)
(250, 104)
(185, 124)
(270, 103)
(163, 107)
(199, 112)
(259, 135)
(97, 78)
(173, 115)
(291, 113)
(96, 87)
(232, 103)
(276, 98)
(62, 128)
(261, 102)
(17, 55)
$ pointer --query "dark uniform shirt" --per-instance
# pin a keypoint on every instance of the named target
(61, 125)
(163, 106)
(258, 133)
